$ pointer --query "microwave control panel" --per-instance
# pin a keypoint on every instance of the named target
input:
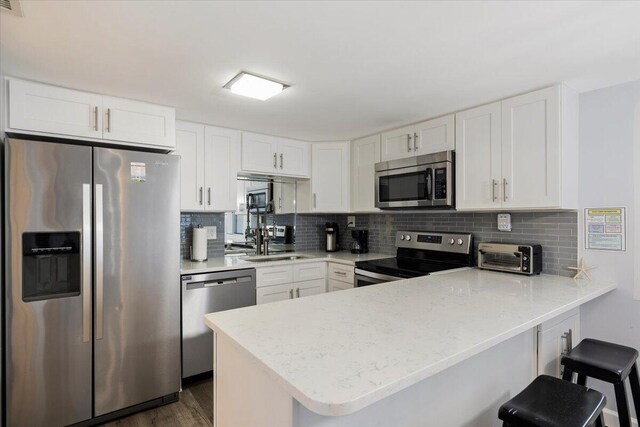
(440, 184)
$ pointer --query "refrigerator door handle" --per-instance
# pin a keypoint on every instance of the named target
(99, 253)
(86, 262)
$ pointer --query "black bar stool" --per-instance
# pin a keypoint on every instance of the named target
(552, 402)
(612, 363)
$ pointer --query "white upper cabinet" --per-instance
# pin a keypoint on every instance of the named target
(430, 136)
(50, 110)
(41, 108)
(365, 153)
(274, 155)
(139, 122)
(330, 177)
(397, 144)
(209, 167)
(190, 148)
(478, 157)
(222, 164)
(434, 135)
(519, 153)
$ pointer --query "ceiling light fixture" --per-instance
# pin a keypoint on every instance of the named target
(254, 86)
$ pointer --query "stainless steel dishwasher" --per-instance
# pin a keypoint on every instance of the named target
(207, 293)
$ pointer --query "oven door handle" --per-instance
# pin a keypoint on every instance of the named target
(373, 275)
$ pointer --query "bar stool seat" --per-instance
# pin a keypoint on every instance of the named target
(600, 359)
(551, 402)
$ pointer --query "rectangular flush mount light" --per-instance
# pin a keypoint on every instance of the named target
(253, 86)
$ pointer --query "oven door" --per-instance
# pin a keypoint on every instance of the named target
(366, 278)
(405, 187)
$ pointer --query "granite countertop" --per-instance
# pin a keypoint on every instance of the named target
(355, 347)
(234, 262)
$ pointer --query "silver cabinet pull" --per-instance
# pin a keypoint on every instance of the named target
(281, 160)
(504, 189)
(567, 337)
(290, 293)
(86, 262)
(209, 196)
(409, 144)
(280, 202)
(493, 189)
(95, 118)
(297, 292)
(314, 200)
(99, 266)
(341, 273)
(107, 126)
(415, 142)
(275, 160)
(200, 202)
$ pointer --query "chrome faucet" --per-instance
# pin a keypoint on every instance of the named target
(260, 234)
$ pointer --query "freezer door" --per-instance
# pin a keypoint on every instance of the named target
(48, 283)
(137, 277)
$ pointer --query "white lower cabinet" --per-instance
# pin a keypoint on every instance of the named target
(340, 276)
(290, 281)
(557, 337)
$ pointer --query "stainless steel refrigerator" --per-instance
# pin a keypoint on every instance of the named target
(92, 295)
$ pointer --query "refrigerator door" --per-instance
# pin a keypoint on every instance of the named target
(48, 283)
(137, 277)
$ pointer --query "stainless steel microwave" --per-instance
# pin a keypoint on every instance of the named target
(425, 181)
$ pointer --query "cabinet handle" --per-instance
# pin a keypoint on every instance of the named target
(281, 160)
(314, 200)
(290, 293)
(409, 144)
(95, 118)
(297, 292)
(341, 273)
(504, 189)
(275, 160)
(200, 202)
(493, 189)
(567, 337)
(209, 196)
(280, 202)
(107, 127)
(415, 142)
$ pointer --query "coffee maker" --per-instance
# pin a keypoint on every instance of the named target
(360, 243)
(333, 237)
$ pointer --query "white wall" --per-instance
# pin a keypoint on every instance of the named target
(607, 121)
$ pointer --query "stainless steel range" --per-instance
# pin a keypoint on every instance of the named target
(419, 253)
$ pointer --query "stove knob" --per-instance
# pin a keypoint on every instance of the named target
(402, 237)
(451, 241)
(460, 242)
(408, 237)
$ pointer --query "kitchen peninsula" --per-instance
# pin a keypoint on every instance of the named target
(448, 348)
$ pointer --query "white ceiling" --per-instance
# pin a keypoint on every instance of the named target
(356, 68)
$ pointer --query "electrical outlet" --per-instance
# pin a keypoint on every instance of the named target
(212, 232)
(504, 222)
(351, 221)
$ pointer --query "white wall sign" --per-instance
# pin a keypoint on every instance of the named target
(605, 229)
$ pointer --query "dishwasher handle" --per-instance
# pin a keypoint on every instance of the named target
(209, 280)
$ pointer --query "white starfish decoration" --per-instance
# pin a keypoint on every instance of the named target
(582, 270)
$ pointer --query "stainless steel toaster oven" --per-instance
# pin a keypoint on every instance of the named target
(512, 258)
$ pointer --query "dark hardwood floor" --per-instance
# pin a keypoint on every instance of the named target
(195, 409)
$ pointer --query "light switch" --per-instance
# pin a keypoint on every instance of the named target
(504, 222)
(212, 232)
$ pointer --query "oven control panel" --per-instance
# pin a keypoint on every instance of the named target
(437, 241)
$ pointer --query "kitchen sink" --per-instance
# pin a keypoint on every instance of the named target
(267, 258)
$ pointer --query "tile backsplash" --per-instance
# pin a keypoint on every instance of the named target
(188, 220)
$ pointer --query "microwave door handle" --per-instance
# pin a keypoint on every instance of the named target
(429, 184)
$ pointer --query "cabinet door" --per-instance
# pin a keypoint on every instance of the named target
(365, 153)
(336, 285)
(293, 158)
(397, 144)
(330, 177)
(278, 275)
(478, 158)
(190, 148)
(284, 196)
(554, 342)
(259, 153)
(434, 135)
(42, 108)
(274, 293)
(310, 287)
(342, 273)
(531, 150)
(309, 271)
(138, 122)
(222, 160)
